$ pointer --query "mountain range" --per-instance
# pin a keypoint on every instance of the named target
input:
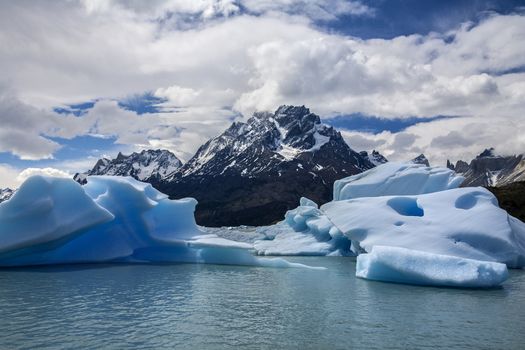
(255, 171)
(147, 166)
(489, 169)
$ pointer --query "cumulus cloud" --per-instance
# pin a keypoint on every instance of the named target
(452, 139)
(214, 60)
(469, 136)
(8, 175)
(403, 140)
(41, 171)
(22, 127)
(362, 141)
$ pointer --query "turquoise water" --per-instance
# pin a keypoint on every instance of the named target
(211, 306)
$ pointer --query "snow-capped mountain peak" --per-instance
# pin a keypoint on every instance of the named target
(491, 169)
(421, 159)
(375, 157)
(147, 165)
(265, 141)
(257, 169)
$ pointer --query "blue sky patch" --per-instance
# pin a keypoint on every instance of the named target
(80, 147)
(376, 125)
(78, 109)
(406, 17)
(142, 103)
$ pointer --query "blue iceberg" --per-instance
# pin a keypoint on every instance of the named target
(420, 213)
(401, 265)
(306, 230)
(110, 219)
(391, 179)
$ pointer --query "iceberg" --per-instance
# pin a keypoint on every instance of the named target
(462, 222)
(401, 265)
(407, 223)
(391, 179)
(110, 219)
(305, 231)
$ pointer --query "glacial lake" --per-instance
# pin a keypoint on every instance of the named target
(215, 307)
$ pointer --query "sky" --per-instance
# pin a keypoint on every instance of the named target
(84, 79)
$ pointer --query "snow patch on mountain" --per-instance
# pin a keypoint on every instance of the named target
(264, 142)
(421, 159)
(490, 169)
(147, 165)
(375, 157)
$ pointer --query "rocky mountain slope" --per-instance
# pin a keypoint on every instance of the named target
(489, 169)
(255, 171)
(148, 165)
(511, 197)
(375, 157)
(421, 159)
(5, 194)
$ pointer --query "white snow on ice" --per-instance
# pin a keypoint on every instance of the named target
(396, 179)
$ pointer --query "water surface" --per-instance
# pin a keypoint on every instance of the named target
(213, 306)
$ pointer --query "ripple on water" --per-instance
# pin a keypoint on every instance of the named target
(211, 306)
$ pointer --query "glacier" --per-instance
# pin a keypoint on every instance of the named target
(110, 219)
(306, 230)
(420, 213)
(401, 265)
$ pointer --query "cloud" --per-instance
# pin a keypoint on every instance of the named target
(403, 140)
(12, 177)
(22, 127)
(321, 10)
(188, 13)
(361, 141)
(26, 173)
(8, 176)
(452, 139)
(469, 136)
(211, 61)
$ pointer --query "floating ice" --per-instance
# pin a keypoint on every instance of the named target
(463, 222)
(396, 179)
(44, 212)
(310, 232)
(111, 219)
(400, 265)
(413, 207)
(305, 231)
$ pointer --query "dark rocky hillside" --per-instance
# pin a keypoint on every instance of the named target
(255, 171)
(511, 197)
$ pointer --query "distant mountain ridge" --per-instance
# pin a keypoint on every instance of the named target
(375, 157)
(490, 169)
(254, 171)
(5, 194)
(147, 166)
(421, 159)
